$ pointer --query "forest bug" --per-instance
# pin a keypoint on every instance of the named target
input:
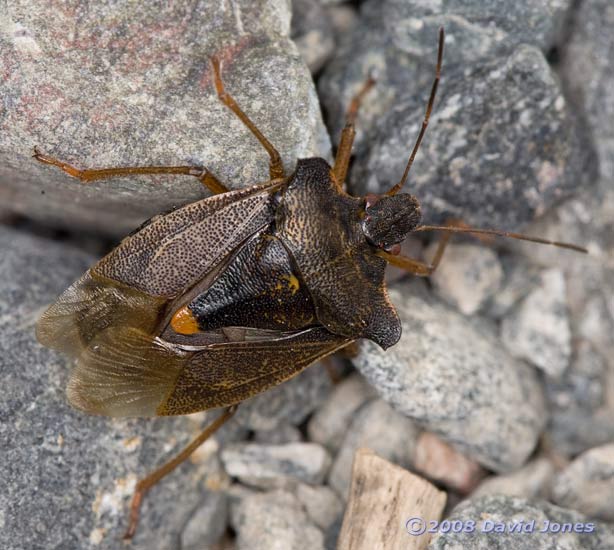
(226, 297)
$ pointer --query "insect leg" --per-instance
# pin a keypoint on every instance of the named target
(417, 267)
(148, 482)
(87, 175)
(342, 159)
(276, 168)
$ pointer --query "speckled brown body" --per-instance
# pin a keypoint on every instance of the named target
(275, 277)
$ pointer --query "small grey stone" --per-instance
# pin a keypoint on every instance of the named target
(587, 484)
(135, 87)
(330, 422)
(538, 329)
(467, 276)
(582, 403)
(519, 278)
(565, 528)
(68, 476)
(291, 402)
(284, 433)
(274, 520)
(388, 433)
(273, 466)
(587, 69)
(444, 465)
(207, 524)
(237, 491)
(321, 503)
(312, 33)
(343, 18)
(533, 480)
(452, 376)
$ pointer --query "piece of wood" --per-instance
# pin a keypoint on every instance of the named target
(383, 497)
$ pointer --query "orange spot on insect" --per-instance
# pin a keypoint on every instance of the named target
(293, 283)
(183, 322)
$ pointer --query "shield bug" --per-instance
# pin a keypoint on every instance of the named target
(226, 297)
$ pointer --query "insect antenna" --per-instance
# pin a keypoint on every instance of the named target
(519, 236)
(425, 121)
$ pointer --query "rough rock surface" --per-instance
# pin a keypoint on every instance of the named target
(452, 376)
(587, 484)
(503, 144)
(581, 402)
(208, 523)
(531, 481)
(321, 503)
(501, 148)
(312, 32)
(467, 277)
(330, 423)
(489, 511)
(589, 74)
(538, 329)
(104, 86)
(520, 277)
(67, 477)
(385, 431)
(274, 520)
(291, 402)
(273, 466)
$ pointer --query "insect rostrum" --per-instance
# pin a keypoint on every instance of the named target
(228, 296)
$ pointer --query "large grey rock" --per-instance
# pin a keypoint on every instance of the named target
(133, 86)
(68, 477)
(587, 484)
(274, 521)
(502, 145)
(377, 426)
(397, 38)
(276, 466)
(564, 528)
(538, 330)
(504, 24)
(451, 375)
